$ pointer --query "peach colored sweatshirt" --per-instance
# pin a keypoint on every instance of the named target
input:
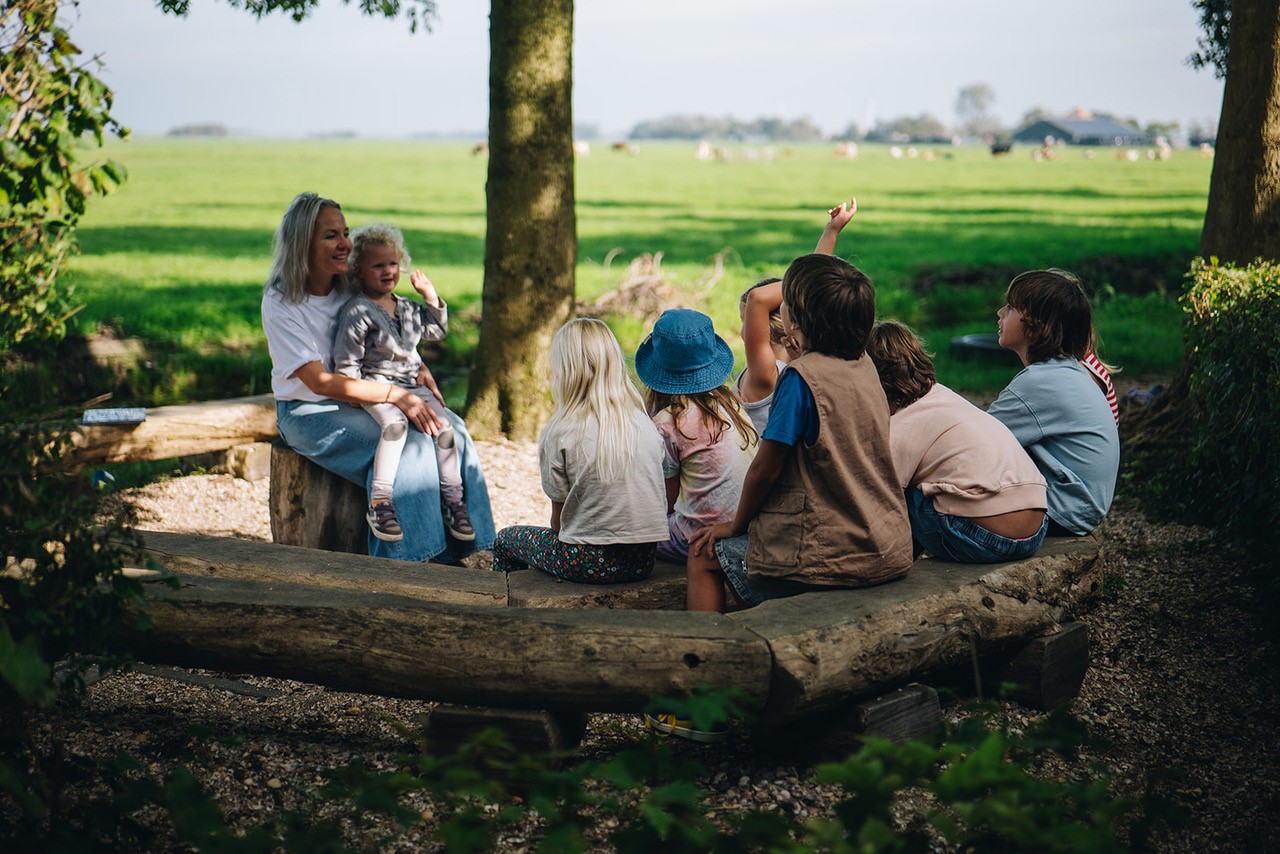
(961, 457)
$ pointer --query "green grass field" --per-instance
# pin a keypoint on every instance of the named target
(178, 255)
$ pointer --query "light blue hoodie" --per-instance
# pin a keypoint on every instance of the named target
(1062, 418)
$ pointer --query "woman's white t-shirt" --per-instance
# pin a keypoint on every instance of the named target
(298, 333)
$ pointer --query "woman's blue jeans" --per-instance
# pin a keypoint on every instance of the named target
(342, 439)
(962, 540)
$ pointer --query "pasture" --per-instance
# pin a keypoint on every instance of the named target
(178, 255)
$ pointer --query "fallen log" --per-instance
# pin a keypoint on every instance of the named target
(201, 556)
(396, 646)
(176, 431)
(834, 645)
(411, 637)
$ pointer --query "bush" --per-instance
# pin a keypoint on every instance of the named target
(1233, 358)
(64, 600)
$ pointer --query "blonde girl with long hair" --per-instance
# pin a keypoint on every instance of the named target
(601, 464)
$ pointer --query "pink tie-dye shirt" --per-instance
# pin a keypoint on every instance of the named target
(711, 473)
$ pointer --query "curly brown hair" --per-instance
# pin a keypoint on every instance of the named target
(904, 364)
(1056, 316)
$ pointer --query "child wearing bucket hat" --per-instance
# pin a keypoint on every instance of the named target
(708, 441)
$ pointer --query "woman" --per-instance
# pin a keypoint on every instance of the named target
(303, 294)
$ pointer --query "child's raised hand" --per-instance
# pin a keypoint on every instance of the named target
(840, 216)
(425, 289)
(842, 213)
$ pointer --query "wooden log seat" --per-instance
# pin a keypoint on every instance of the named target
(468, 636)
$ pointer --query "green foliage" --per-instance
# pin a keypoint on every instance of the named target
(48, 105)
(1233, 355)
(979, 789)
(64, 602)
(988, 793)
(419, 12)
(1213, 45)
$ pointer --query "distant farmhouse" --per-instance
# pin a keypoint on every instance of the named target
(1081, 128)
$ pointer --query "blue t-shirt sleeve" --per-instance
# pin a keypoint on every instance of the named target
(794, 414)
(1013, 411)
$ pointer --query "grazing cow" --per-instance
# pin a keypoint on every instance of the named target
(480, 148)
(582, 149)
(846, 150)
(999, 149)
(625, 148)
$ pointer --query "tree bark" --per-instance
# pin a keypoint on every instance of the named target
(1242, 222)
(531, 244)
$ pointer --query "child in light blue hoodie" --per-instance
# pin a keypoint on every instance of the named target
(1053, 406)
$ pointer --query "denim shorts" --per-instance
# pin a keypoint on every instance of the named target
(962, 540)
(752, 589)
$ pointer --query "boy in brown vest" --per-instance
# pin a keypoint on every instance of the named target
(821, 506)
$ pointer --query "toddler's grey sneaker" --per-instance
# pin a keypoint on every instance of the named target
(383, 522)
(458, 520)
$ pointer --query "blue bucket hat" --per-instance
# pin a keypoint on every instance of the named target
(683, 355)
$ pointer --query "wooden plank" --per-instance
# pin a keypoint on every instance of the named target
(197, 556)
(1044, 673)
(835, 734)
(901, 715)
(176, 431)
(664, 590)
(377, 643)
(217, 683)
(836, 645)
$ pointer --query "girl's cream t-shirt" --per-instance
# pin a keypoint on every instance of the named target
(632, 509)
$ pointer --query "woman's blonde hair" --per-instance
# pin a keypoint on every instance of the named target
(721, 409)
(374, 234)
(291, 248)
(589, 382)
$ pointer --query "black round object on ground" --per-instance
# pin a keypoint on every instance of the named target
(982, 345)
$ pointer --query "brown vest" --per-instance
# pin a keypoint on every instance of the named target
(836, 515)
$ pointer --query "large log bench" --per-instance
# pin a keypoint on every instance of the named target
(527, 642)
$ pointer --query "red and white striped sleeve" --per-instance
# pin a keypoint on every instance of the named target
(1100, 371)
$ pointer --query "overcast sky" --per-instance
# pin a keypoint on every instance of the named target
(835, 61)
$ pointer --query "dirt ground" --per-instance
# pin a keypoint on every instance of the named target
(1182, 687)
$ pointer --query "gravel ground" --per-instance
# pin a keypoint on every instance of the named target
(1183, 678)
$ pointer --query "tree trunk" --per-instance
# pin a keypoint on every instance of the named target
(531, 243)
(1242, 222)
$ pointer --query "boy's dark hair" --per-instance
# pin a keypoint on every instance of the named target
(904, 365)
(1056, 316)
(832, 302)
